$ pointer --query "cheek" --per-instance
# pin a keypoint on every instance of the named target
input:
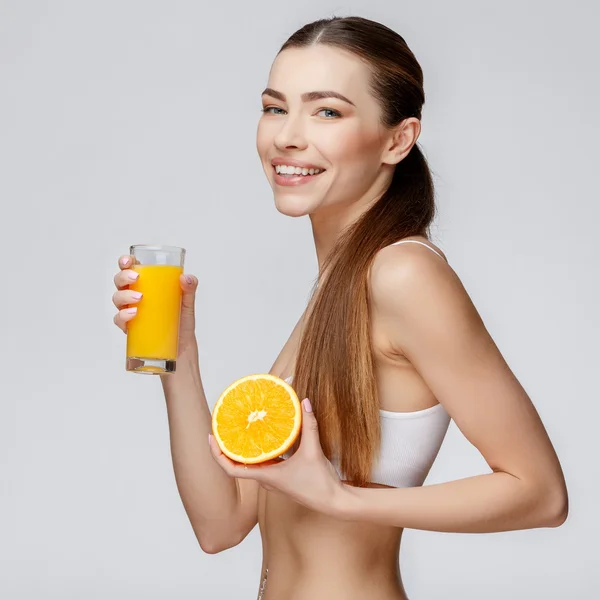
(355, 150)
(263, 138)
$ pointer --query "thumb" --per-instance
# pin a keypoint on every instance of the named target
(310, 428)
(189, 285)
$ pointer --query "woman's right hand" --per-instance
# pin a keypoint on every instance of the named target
(125, 300)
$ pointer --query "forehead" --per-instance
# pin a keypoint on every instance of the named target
(319, 67)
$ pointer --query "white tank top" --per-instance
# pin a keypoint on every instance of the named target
(410, 441)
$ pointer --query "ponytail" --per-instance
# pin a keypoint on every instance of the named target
(335, 366)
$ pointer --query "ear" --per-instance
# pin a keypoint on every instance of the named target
(403, 137)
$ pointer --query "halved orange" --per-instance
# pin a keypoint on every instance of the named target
(256, 418)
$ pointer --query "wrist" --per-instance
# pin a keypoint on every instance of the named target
(188, 348)
(187, 364)
(347, 504)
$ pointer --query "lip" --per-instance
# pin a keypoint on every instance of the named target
(293, 180)
(294, 163)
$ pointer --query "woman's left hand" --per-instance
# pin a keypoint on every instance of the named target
(307, 476)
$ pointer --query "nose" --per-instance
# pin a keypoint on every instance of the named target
(290, 135)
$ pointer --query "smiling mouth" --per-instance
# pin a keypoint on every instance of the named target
(289, 171)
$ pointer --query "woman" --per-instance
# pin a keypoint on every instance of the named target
(389, 348)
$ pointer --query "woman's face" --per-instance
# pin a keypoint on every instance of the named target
(319, 114)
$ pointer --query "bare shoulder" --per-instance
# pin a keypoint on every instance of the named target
(408, 270)
(406, 253)
(431, 321)
(419, 295)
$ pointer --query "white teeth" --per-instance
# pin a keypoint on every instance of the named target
(289, 170)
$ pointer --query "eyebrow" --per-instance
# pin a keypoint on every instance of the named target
(308, 96)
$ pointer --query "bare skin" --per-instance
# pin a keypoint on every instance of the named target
(325, 539)
(308, 554)
(311, 555)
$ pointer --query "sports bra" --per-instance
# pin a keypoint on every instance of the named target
(410, 441)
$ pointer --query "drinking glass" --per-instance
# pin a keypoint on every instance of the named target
(153, 334)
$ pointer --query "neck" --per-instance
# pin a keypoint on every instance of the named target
(329, 222)
(327, 226)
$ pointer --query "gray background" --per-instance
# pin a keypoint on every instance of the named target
(134, 122)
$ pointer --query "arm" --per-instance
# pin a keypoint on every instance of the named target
(222, 510)
(433, 322)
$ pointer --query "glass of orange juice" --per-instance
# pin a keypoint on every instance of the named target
(153, 335)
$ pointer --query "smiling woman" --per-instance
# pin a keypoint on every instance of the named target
(317, 103)
(388, 350)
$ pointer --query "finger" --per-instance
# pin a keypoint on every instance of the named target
(123, 317)
(124, 278)
(235, 469)
(229, 466)
(126, 261)
(310, 429)
(189, 285)
(267, 463)
(122, 298)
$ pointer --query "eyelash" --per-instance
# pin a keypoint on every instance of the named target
(267, 110)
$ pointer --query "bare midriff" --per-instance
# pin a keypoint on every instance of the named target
(311, 556)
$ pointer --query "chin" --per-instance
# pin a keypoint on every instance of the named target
(292, 206)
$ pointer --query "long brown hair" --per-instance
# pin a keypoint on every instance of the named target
(335, 366)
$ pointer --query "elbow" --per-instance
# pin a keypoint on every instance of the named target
(553, 507)
(210, 547)
(214, 544)
(560, 510)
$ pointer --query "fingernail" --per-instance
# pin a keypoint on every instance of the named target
(124, 261)
(189, 279)
(136, 295)
(209, 436)
(132, 311)
(133, 275)
(307, 406)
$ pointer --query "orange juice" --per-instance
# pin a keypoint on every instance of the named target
(154, 331)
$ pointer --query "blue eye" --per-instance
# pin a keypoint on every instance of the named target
(332, 114)
(276, 110)
(270, 109)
